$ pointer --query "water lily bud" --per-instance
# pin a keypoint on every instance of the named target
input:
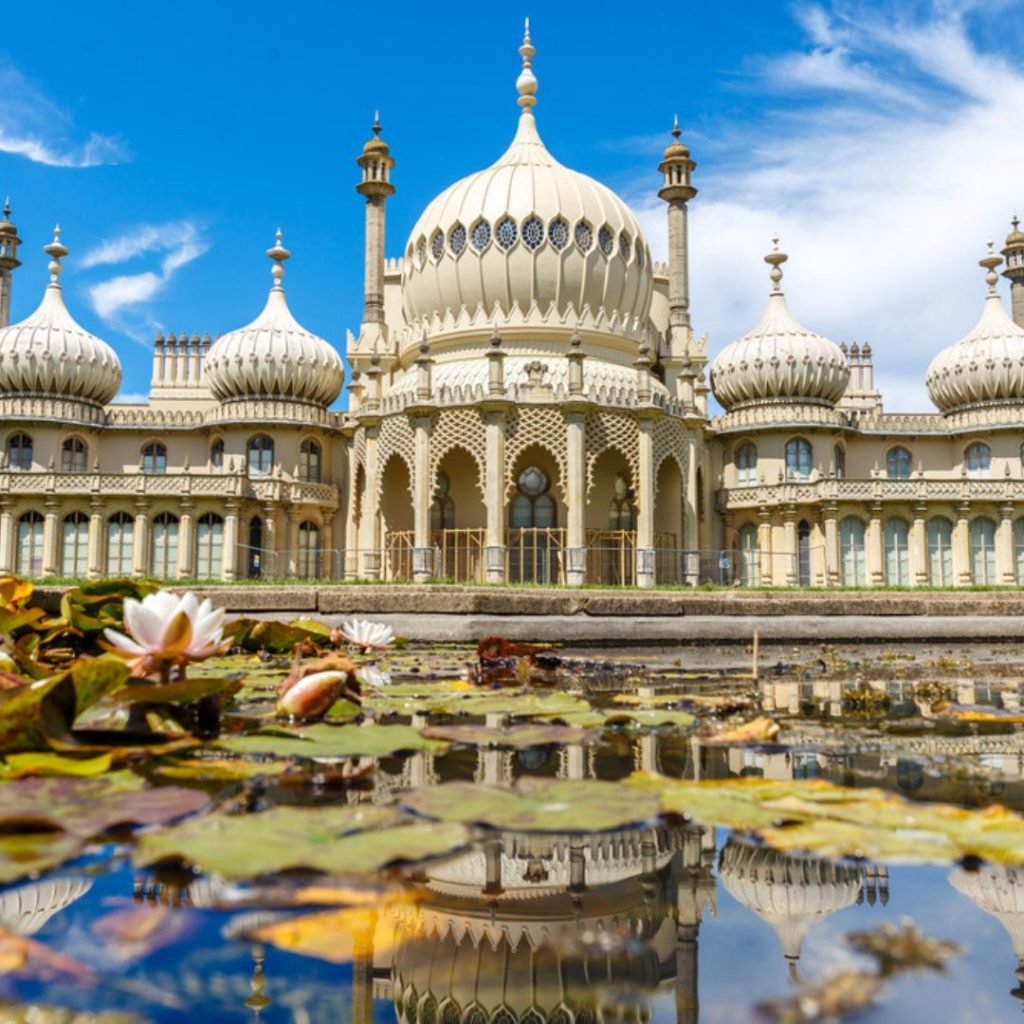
(311, 697)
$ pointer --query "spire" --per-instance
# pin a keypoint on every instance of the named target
(56, 251)
(526, 83)
(775, 259)
(990, 261)
(376, 123)
(676, 130)
(278, 253)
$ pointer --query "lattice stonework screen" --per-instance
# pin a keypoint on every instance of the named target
(395, 438)
(359, 450)
(458, 428)
(530, 426)
(669, 439)
(612, 430)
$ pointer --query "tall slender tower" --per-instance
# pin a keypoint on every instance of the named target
(9, 242)
(676, 166)
(376, 162)
(1014, 272)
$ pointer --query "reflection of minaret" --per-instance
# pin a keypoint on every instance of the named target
(998, 891)
(695, 894)
(362, 969)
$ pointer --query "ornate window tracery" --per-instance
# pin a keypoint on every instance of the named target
(421, 251)
(605, 240)
(532, 507)
(533, 233)
(639, 253)
(481, 235)
(457, 239)
(558, 233)
(437, 245)
(507, 233)
(584, 235)
(624, 245)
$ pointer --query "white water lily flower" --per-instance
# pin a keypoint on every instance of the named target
(168, 629)
(370, 636)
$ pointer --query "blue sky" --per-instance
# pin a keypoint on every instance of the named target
(880, 140)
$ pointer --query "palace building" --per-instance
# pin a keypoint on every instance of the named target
(527, 402)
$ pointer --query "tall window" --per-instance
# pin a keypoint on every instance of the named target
(309, 461)
(897, 552)
(442, 508)
(852, 565)
(798, 459)
(746, 465)
(839, 460)
(217, 455)
(209, 546)
(120, 535)
(163, 561)
(75, 545)
(30, 544)
(978, 458)
(940, 552)
(983, 552)
(532, 506)
(621, 511)
(897, 464)
(309, 550)
(19, 452)
(154, 458)
(1018, 551)
(261, 455)
(255, 566)
(750, 556)
(803, 548)
(73, 454)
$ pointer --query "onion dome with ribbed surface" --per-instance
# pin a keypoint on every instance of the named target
(779, 361)
(986, 367)
(49, 355)
(274, 357)
(528, 233)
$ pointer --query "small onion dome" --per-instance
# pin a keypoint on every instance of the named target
(7, 228)
(376, 145)
(675, 148)
(49, 354)
(779, 360)
(274, 357)
(986, 367)
(1016, 236)
(790, 892)
(25, 909)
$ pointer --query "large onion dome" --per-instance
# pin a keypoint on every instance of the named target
(986, 367)
(779, 360)
(528, 232)
(49, 355)
(274, 357)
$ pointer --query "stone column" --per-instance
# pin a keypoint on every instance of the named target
(369, 540)
(186, 540)
(494, 492)
(140, 546)
(875, 553)
(962, 546)
(764, 546)
(423, 551)
(51, 538)
(351, 519)
(919, 548)
(229, 557)
(7, 536)
(645, 554)
(1006, 570)
(95, 549)
(576, 494)
(791, 546)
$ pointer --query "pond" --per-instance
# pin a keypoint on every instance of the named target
(510, 887)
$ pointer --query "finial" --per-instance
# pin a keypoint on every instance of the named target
(990, 261)
(376, 123)
(496, 339)
(526, 83)
(1015, 221)
(676, 131)
(56, 252)
(7, 208)
(278, 253)
(775, 259)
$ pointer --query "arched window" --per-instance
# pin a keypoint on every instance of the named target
(897, 551)
(163, 560)
(1018, 551)
(75, 545)
(532, 506)
(261, 455)
(746, 465)
(19, 452)
(852, 565)
(534, 557)
(254, 556)
(839, 461)
(154, 458)
(897, 464)
(978, 458)
(73, 455)
(750, 556)
(309, 461)
(120, 537)
(798, 459)
(940, 552)
(217, 454)
(30, 544)
(442, 508)
(209, 546)
(309, 550)
(983, 552)
(621, 511)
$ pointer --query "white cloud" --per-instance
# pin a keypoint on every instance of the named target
(885, 178)
(33, 126)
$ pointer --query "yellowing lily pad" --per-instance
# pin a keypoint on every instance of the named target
(323, 740)
(24, 854)
(515, 737)
(16, 766)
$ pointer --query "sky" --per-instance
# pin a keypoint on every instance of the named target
(880, 140)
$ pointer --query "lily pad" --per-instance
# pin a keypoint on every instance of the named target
(536, 805)
(334, 840)
(184, 692)
(516, 737)
(16, 766)
(24, 854)
(220, 769)
(323, 740)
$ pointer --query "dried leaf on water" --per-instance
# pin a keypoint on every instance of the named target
(904, 948)
(28, 958)
(837, 996)
(331, 935)
(758, 730)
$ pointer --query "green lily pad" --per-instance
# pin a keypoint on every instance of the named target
(186, 691)
(220, 769)
(323, 740)
(516, 737)
(650, 717)
(16, 766)
(536, 805)
(334, 840)
(24, 854)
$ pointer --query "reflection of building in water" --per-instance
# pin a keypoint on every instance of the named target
(998, 891)
(793, 893)
(25, 909)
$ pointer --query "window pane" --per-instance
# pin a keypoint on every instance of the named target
(209, 546)
(75, 546)
(940, 552)
(164, 547)
(120, 535)
(853, 567)
(983, 552)
(897, 554)
(30, 545)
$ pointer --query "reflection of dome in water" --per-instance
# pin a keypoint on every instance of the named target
(26, 909)
(790, 892)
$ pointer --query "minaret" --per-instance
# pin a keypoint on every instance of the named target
(676, 166)
(9, 242)
(1014, 272)
(376, 162)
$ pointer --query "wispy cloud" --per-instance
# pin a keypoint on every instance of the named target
(886, 155)
(33, 126)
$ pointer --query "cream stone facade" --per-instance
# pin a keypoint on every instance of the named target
(527, 403)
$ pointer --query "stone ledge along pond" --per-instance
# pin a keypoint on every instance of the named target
(532, 835)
